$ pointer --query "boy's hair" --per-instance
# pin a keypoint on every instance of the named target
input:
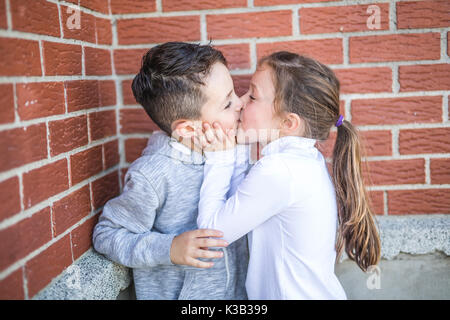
(311, 89)
(169, 82)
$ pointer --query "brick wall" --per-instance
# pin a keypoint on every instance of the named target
(69, 125)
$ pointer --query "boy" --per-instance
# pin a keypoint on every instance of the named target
(151, 226)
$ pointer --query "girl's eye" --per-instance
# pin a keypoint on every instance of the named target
(228, 105)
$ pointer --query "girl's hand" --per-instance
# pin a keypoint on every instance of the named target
(216, 139)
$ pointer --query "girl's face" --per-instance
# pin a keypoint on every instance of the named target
(258, 121)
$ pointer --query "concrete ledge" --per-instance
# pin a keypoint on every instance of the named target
(91, 277)
(420, 234)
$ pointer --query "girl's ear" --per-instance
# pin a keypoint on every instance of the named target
(184, 128)
(291, 123)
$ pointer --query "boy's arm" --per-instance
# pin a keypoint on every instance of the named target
(123, 232)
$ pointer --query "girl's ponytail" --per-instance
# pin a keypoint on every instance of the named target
(357, 232)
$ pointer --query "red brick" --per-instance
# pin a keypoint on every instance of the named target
(157, 30)
(29, 234)
(136, 121)
(128, 97)
(9, 198)
(237, 55)
(396, 172)
(111, 154)
(329, 51)
(85, 164)
(40, 99)
(71, 209)
(132, 6)
(3, 20)
(96, 5)
(249, 25)
(440, 171)
(187, 5)
(103, 31)
(340, 19)
(278, 2)
(40, 272)
(6, 103)
(67, 134)
(128, 61)
(373, 143)
(22, 145)
(424, 77)
(27, 50)
(417, 141)
(11, 287)
(241, 83)
(107, 93)
(419, 46)
(376, 199)
(86, 32)
(105, 188)
(51, 179)
(423, 14)
(102, 124)
(82, 94)
(424, 201)
(61, 59)
(38, 16)
(134, 148)
(365, 80)
(82, 237)
(376, 143)
(97, 61)
(397, 110)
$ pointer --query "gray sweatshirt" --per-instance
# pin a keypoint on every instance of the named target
(159, 201)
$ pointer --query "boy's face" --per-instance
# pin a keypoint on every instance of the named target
(223, 105)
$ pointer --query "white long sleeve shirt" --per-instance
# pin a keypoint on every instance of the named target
(287, 204)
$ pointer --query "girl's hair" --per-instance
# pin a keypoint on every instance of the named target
(311, 90)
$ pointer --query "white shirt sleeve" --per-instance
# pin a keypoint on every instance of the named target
(241, 166)
(263, 193)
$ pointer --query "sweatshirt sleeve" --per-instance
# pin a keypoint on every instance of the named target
(124, 230)
(263, 193)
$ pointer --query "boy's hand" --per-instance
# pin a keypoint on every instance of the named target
(190, 245)
(216, 138)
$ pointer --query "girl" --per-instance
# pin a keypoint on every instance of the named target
(300, 218)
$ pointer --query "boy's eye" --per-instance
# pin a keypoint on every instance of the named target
(228, 105)
(251, 97)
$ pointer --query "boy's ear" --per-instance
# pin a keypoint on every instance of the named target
(184, 128)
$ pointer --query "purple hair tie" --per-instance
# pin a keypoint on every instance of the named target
(339, 122)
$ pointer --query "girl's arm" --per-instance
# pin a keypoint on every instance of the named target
(241, 167)
(263, 193)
